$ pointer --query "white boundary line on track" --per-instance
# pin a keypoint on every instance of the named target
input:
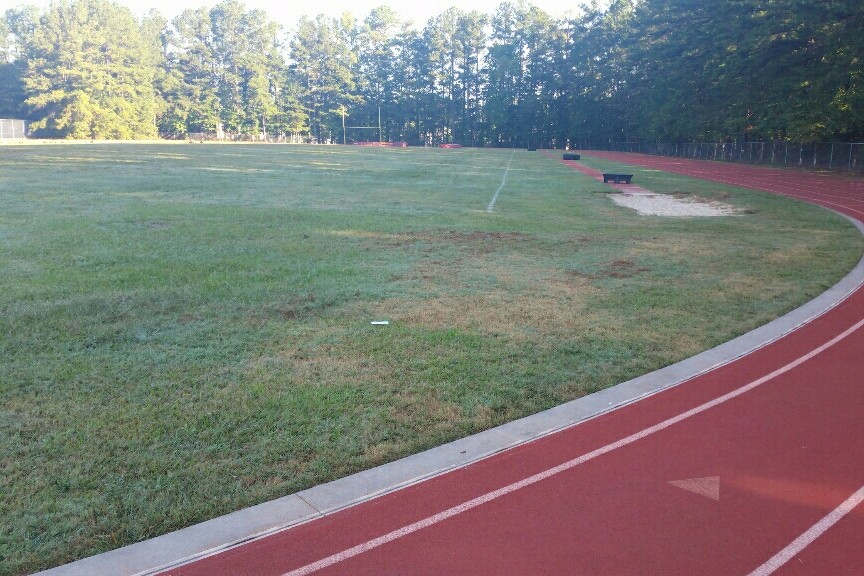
(491, 205)
(807, 538)
(490, 496)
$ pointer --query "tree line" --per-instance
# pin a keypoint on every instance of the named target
(637, 70)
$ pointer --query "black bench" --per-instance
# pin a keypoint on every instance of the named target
(617, 178)
(572, 157)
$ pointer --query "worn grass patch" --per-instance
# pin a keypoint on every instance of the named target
(185, 330)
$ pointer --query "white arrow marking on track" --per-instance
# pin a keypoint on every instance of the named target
(708, 487)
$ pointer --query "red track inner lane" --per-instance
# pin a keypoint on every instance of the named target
(785, 453)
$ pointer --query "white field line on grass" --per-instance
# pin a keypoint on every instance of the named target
(494, 495)
(503, 183)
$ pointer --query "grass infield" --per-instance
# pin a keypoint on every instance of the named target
(186, 330)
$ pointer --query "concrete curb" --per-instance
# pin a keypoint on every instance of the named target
(210, 537)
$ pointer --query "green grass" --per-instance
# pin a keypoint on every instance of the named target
(185, 330)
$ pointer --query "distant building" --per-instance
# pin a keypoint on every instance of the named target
(12, 128)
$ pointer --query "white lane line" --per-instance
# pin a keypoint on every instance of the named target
(488, 497)
(800, 543)
(503, 183)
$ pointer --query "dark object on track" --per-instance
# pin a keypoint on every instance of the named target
(617, 178)
(572, 157)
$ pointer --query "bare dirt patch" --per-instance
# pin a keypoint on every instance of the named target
(620, 268)
(482, 236)
(674, 246)
(676, 206)
(561, 308)
(293, 308)
(450, 236)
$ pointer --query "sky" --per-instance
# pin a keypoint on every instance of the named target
(288, 12)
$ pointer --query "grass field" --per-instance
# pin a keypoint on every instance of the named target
(185, 329)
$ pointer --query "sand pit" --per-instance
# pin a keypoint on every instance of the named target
(651, 204)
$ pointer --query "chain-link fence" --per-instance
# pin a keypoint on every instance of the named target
(233, 137)
(12, 128)
(833, 156)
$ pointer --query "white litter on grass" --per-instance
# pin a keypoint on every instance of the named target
(380, 322)
(651, 204)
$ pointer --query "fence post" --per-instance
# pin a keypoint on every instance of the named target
(831, 158)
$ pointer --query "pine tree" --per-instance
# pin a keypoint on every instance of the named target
(321, 64)
(88, 73)
(12, 93)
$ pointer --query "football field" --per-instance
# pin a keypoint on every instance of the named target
(188, 329)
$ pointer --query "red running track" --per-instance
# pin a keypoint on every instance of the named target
(754, 468)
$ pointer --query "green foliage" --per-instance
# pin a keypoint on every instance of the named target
(748, 69)
(190, 93)
(88, 73)
(11, 90)
(523, 67)
(378, 75)
(321, 66)
(454, 42)
(222, 67)
(14, 25)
